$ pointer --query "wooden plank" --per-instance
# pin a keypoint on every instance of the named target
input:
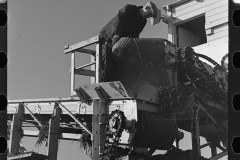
(87, 51)
(95, 130)
(220, 28)
(72, 73)
(216, 17)
(35, 118)
(102, 124)
(53, 134)
(86, 65)
(84, 72)
(197, 6)
(220, 155)
(93, 68)
(214, 30)
(216, 11)
(216, 23)
(64, 99)
(170, 29)
(189, 4)
(70, 114)
(31, 155)
(98, 65)
(90, 41)
(196, 12)
(16, 126)
(65, 136)
(47, 108)
(205, 145)
(177, 3)
(195, 131)
(217, 36)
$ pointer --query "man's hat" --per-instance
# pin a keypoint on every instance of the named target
(157, 18)
(156, 13)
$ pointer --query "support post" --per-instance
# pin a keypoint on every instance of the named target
(213, 150)
(98, 57)
(195, 131)
(213, 145)
(98, 128)
(72, 72)
(93, 67)
(16, 128)
(53, 134)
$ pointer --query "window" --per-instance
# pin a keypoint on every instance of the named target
(192, 32)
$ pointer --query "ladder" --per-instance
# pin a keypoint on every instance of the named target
(95, 72)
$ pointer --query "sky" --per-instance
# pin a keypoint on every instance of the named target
(37, 66)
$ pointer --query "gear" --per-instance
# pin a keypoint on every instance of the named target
(114, 129)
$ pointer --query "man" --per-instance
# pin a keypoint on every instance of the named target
(129, 22)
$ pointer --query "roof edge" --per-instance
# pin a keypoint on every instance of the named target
(171, 5)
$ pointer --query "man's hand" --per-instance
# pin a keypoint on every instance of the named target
(115, 39)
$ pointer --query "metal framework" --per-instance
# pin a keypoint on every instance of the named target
(94, 109)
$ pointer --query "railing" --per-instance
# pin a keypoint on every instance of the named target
(95, 55)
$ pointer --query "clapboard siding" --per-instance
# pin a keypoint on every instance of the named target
(197, 6)
(217, 10)
(216, 23)
(221, 28)
(189, 4)
(217, 17)
(197, 10)
(217, 29)
(218, 35)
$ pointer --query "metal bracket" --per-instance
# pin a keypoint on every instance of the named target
(102, 94)
(82, 95)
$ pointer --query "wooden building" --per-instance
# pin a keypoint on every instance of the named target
(201, 24)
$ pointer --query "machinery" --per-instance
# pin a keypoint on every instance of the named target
(143, 93)
(156, 89)
(145, 67)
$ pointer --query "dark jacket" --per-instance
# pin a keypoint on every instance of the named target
(127, 23)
